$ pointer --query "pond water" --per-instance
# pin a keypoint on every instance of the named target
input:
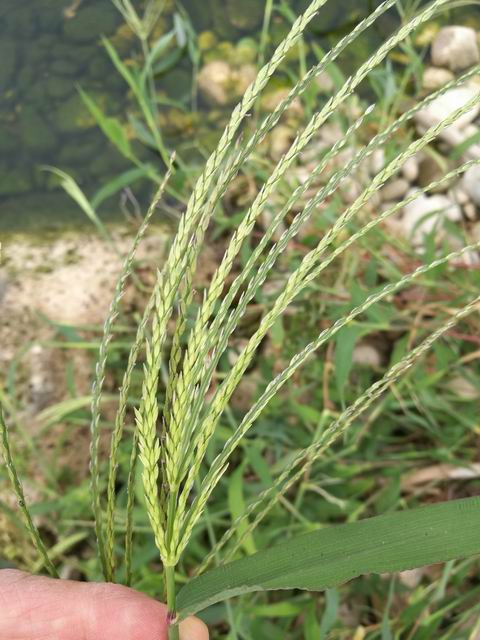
(48, 48)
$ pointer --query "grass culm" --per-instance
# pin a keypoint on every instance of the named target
(185, 335)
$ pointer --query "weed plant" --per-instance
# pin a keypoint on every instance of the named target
(174, 431)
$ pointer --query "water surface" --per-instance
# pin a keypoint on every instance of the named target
(48, 48)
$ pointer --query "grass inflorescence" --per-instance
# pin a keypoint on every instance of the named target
(186, 391)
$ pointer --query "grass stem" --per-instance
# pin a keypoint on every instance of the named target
(169, 573)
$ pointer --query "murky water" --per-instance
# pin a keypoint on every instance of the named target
(48, 48)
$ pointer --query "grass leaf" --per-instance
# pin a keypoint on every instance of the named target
(332, 556)
(118, 183)
(345, 344)
(111, 127)
(236, 503)
(70, 186)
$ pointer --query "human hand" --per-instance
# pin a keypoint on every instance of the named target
(36, 608)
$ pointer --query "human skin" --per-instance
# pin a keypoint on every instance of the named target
(37, 608)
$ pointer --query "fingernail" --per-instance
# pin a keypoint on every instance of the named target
(193, 629)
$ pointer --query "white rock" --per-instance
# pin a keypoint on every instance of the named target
(395, 190)
(435, 78)
(451, 210)
(426, 213)
(445, 105)
(375, 201)
(476, 232)
(462, 387)
(470, 130)
(366, 355)
(331, 133)
(471, 184)
(410, 169)
(302, 174)
(350, 189)
(470, 211)
(471, 258)
(281, 138)
(324, 82)
(388, 204)
(270, 102)
(412, 577)
(455, 47)
(377, 161)
(454, 137)
(213, 80)
(458, 195)
(220, 84)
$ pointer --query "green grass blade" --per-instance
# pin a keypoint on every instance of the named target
(130, 506)
(269, 122)
(182, 259)
(219, 465)
(111, 127)
(215, 340)
(119, 182)
(334, 555)
(203, 338)
(70, 186)
(123, 397)
(300, 142)
(310, 267)
(122, 69)
(145, 102)
(19, 494)
(304, 458)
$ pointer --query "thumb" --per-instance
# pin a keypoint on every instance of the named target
(35, 607)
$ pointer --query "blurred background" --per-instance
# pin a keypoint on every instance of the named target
(92, 105)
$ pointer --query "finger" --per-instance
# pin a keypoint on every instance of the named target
(35, 608)
(193, 629)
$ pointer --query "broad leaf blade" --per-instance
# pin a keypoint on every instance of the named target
(331, 556)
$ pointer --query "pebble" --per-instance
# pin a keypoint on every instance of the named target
(431, 170)
(435, 78)
(395, 190)
(461, 386)
(375, 201)
(475, 232)
(412, 577)
(324, 83)
(471, 183)
(350, 189)
(270, 101)
(445, 105)
(459, 196)
(213, 79)
(386, 205)
(410, 169)
(377, 161)
(222, 85)
(422, 215)
(453, 137)
(331, 133)
(471, 258)
(281, 138)
(450, 209)
(456, 48)
(470, 211)
(367, 355)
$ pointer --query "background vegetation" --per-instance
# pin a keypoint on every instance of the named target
(419, 443)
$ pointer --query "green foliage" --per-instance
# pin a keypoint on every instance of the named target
(328, 557)
(179, 437)
(20, 496)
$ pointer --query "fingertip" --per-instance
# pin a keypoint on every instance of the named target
(193, 629)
